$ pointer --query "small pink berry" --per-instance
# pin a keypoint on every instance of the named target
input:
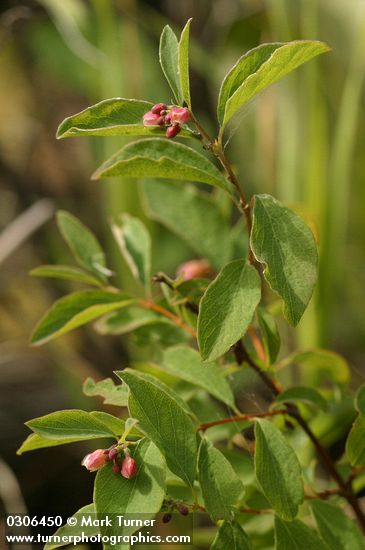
(94, 461)
(172, 131)
(180, 115)
(193, 269)
(156, 109)
(129, 467)
(151, 119)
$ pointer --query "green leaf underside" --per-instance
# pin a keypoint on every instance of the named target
(295, 535)
(231, 536)
(129, 319)
(35, 442)
(140, 497)
(65, 272)
(134, 243)
(321, 360)
(75, 310)
(220, 485)
(336, 528)
(278, 470)
(285, 245)
(306, 394)
(360, 400)
(355, 444)
(69, 531)
(183, 56)
(191, 215)
(185, 363)
(270, 335)
(227, 308)
(163, 419)
(83, 244)
(160, 158)
(111, 393)
(169, 61)
(260, 68)
(72, 424)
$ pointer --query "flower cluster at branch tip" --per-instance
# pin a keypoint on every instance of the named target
(170, 116)
(125, 466)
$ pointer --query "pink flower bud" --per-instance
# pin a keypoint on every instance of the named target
(113, 453)
(168, 119)
(180, 115)
(94, 461)
(183, 509)
(151, 119)
(156, 109)
(172, 131)
(116, 468)
(129, 467)
(194, 269)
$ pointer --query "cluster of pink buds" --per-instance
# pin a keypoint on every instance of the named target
(170, 116)
(122, 465)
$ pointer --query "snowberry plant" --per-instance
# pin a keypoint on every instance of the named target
(190, 437)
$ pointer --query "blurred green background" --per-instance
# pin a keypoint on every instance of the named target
(301, 140)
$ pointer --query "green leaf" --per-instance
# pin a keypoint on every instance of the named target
(35, 441)
(169, 61)
(321, 360)
(67, 531)
(134, 242)
(278, 470)
(113, 117)
(75, 310)
(162, 158)
(70, 424)
(221, 487)
(227, 308)
(337, 530)
(231, 536)
(114, 424)
(129, 319)
(284, 243)
(112, 394)
(270, 335)
(65, 272)
(355, 444)
(144, 494)
(193, 216)
(185, 363)
(296, 535)
(259, 68)
(164, 420)
(183, 56)
(83, 244)
(360, 400)
(301, 393)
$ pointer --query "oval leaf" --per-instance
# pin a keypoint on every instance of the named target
(355, 444)
(169, 61)
(75, 310)
(284, 243)
(231, 536)
(132, 498)
(112, 394)
(164, 420)
(220, 485)
(83, 244)
(35, 442)
(65, 532)
(134, 242)
(295, 535)
(184, 63)
(185, 363)
(278, 470)
(320, 360)
(162, 158)
(337, 530)
(72, 423)
(66, 273)
(259, 68)
(227, 308)
(129, 319)
(360, 400)
(191, 215)
(301, 393)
